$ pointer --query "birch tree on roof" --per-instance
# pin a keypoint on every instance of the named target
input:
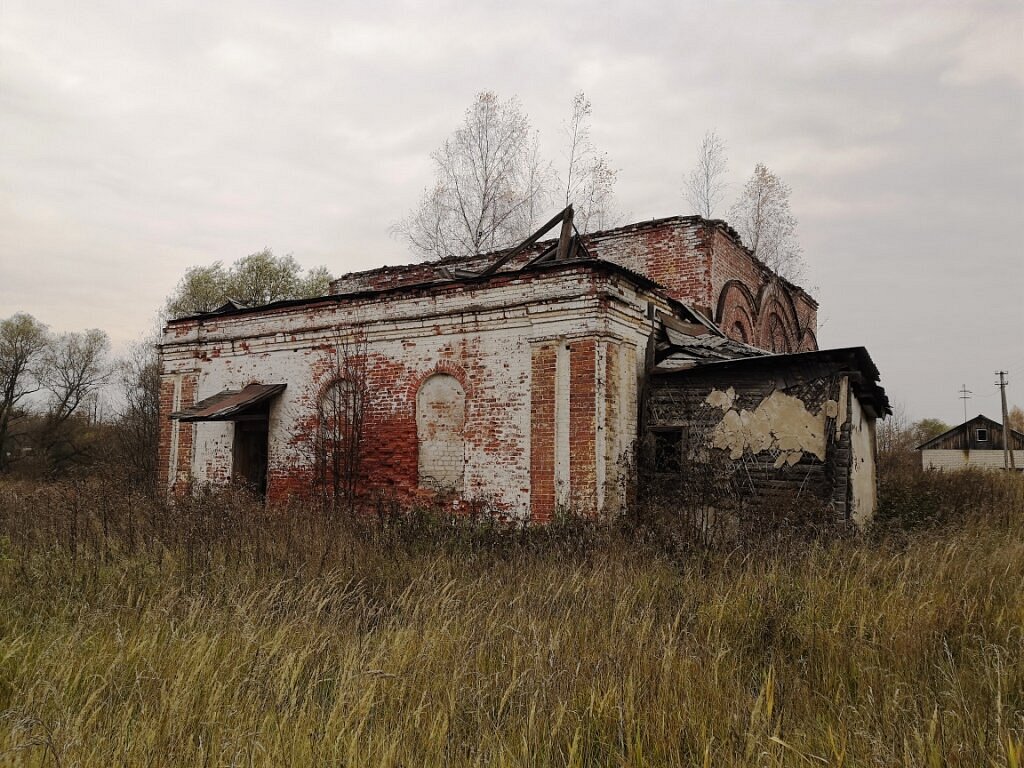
(705, 186)
(590, 179)
(764, 221)
(491, 185)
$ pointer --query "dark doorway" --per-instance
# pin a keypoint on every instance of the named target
(250, 453)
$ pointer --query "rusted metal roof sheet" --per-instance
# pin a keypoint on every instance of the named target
(684, 346)
(229, 404)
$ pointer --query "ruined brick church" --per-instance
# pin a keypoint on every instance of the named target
(528, 378)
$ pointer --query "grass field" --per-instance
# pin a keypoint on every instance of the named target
(222, 634)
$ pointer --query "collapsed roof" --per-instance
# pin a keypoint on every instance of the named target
(683, 349)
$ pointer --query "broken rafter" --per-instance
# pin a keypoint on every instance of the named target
(568, 245)
(544, 255)
(565, 236)
(564, 216)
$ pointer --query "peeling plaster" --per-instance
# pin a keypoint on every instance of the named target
(720, 399)
(781, 423)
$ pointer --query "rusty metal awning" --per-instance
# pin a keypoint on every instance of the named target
(230, 404)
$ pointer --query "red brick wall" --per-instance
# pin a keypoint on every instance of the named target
(388, 445)
(675, 253)
(696, 260)
(164, 444)
(542, 434)
(389, 453)
(612, 395)
(186, 432)
(583, 426)
(768, 295)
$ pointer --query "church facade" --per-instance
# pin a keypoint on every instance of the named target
(516, 379)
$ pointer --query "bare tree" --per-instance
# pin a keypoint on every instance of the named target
(705, 186)
(489, 188)
(589, 179)
(138, 423)
(339, 439)
(764, 221)
(23, 343)
(74, 369)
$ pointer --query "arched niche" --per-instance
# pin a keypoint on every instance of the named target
(778, 326)
(775, 335)
(440, 427)
(736, 312)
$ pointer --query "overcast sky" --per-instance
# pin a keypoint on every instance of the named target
(140, 138)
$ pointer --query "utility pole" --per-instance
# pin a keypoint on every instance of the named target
(965, 395)
(1006, 437)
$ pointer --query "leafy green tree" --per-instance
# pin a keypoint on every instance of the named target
(254, 280)
(1016, 418)
(925, 429)
(23, 344)
(201, 289)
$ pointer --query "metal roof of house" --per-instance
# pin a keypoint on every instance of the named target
(229, 404)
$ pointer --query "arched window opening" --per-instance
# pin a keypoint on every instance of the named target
(339, 439)
(739, 333)
(440, 424)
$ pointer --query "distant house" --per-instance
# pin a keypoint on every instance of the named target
(975, 444)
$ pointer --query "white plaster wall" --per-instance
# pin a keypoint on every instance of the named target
(173, 474)
(617, 424)
(494, 324)
(952, 460)
(293, 363)
(215, 441)
(863, 485)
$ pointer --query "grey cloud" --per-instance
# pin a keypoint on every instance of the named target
(139, 140)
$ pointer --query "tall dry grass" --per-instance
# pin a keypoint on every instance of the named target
(219, 633)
